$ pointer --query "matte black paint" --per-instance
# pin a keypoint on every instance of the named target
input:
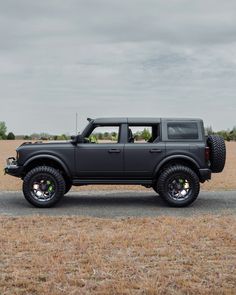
(122, 162)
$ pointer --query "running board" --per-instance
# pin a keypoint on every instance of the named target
(112, 181)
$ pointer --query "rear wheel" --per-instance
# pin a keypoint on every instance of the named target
(43, 186)
(155, 188)
(178, 186)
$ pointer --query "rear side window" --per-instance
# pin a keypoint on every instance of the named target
(180, 130)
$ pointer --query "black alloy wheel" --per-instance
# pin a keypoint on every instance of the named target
(178, 185)
(43, 186)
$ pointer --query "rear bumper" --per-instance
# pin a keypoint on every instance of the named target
(12, 168)
(205, 174)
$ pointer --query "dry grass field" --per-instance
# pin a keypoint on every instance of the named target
(221, 181)
(73, 255)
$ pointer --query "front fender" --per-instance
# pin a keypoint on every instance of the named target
(48, 157)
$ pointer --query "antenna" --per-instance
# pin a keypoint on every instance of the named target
(76, 123)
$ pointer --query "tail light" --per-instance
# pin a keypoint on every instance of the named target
(207, 153)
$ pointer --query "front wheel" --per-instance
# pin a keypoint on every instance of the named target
(178, 186)
(68, 186)
(43, 186)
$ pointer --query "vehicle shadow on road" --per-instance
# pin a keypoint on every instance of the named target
(206, 202)
(116, 204)
(111, 201)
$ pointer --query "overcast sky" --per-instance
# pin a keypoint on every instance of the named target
(116, 58)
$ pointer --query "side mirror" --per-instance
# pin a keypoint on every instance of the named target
(77, 139)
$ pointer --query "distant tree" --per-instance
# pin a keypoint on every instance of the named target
(225, 134)
(40, 136)
(35, 136)
(3, 130)
(146, 134)
(138, 136)
(233, 133)
(106, 135)
(27, 137)
(208, 130)
(44, 136)
(114, 136)
(93, 138)
(11, 136)
(62, 137)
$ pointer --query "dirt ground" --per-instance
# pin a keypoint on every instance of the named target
(222, 181)
(74, 255)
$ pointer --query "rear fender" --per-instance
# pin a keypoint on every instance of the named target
(178, 158)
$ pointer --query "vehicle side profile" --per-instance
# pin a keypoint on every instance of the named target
(171, 155)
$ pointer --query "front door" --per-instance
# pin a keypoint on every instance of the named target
(102, 155)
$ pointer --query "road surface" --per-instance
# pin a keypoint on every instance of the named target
(115, 204)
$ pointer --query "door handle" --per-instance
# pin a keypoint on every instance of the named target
(114, 151)
(155, 151)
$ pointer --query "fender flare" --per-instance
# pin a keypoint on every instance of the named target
(50, 157)
(175, 157)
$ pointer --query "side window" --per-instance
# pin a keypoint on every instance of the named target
(143, 134)
(104, 134)
(179, 130)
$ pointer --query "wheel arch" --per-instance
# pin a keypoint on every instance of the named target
(46, 160)
(176, 160)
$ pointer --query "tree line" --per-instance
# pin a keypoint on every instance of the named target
(228, 135)
(145, 134)
(3, 132)
(35, 136)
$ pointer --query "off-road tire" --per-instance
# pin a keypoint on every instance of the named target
(169, 176)
(43, 172)
(155, 188)
(217, 147)
(68, 186)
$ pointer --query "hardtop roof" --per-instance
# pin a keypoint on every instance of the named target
(138, 120)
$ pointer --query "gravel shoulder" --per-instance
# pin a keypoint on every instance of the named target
(117, 204)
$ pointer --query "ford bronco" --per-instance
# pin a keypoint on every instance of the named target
(173, 156)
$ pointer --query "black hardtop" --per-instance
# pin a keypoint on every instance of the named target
(137, 120)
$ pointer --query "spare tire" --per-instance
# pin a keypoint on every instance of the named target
(217, 147)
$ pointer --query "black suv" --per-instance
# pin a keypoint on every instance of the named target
(170, 155)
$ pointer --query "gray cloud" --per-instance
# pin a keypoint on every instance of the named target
(105, 58)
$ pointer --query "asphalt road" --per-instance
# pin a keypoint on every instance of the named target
(115, 204)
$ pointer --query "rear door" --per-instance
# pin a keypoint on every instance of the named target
(143, 151)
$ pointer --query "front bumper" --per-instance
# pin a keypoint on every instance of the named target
(12, 168)
(205, 174)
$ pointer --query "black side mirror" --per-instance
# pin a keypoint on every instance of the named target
(77, 139)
